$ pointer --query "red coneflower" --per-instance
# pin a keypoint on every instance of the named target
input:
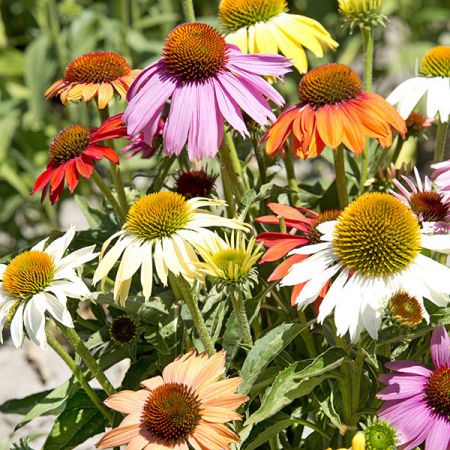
(333, 110)
(73, 152)
(95, 74)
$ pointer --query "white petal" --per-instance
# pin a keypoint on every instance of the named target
(170, 256)
(332, 296)
(77, 258)
(108, 261)
(57, 248)
(160, 265)
(310, 249)
(75, 288)
(16, 328)
(2, 270)
(437, 242)
(147, 270)
(347, 310)
(327, 229)
(57, 308)
(131, 261)
(40, 245)
(435, 96)
(34, 319)
(436, 275)
(408, 94)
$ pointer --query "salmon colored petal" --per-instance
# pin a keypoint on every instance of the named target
(283, 248)
(296, 292)
(118, 436)
(231, 402)
(269, 239)
(218, 414)
(132, 419)
(105, 94)
(329, 125)
(353, 137)
(54, 88)
(137, 443)
(214, 439)
(219, 389)
(388, 111)
(56, 192)
(278, 133)
(127, 402)
(152, 383)
(211, 371)
(283, 269)
(288, 212)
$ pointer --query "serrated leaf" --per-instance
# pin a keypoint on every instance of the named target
(266, 349)
(267, 433)
(79, 421)
(294, 382)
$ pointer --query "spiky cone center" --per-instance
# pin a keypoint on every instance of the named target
(158, 215)
(235, 14)
(363, 13)
(28, 274)
(194, 51)
(123, 330)
(313, 234)
(405, 310)
(436, 63)
(195, 183)
(377, 235)
(329, 84)
(380, 435)
(96, 67)
(429, 206)
(231, 263)
(172, 412)
(437, 391)
(69, 143)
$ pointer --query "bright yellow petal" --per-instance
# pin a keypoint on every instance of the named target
(239, 38)
(265, 42)
(320, 32)
(251, 40)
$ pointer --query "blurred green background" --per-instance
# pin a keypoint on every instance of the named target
(39, 38)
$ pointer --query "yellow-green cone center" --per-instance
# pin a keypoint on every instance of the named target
(158, 215)
(329, 84)
(377, 235)
(436, 62)
(28, 274)
(172, 412)
(235, 14)
(231, 262)
(69, 143)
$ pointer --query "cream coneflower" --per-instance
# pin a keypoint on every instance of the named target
(264, 26)
(95, 74)
(371, 251)
(333, 110)
(40, 280)
(362, 13)
(188, 406)
(433, 81)
(162, 230)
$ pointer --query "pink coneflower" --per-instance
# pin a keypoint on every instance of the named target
(417, 399)
(430, 207)
(441, 177)
(208, 81)
(189, 404)
(139, 145)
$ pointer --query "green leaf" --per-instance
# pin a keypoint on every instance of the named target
(266, 349)
(138, 371)
(11, 63)
(79, 421)
(23, 405)
(294, 382)
(52, 403)
(267, 433)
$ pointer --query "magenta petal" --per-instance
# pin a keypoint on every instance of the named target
(440, 347)
(409, 367)
(179, 119)
(439, 435)
(148, 101)
(247, 96)
(261, 64)
(401, 386)
(142, 78)
(229, 109)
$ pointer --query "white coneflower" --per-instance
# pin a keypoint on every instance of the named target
(371, 252)
(40, 280)
(161, 232)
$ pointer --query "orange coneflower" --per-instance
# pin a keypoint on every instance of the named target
(333, 110)
(187, 405)
(95, 74)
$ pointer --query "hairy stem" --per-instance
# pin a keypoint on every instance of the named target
(103, 187)
(241, 316)
(341, 180)
(188, 9)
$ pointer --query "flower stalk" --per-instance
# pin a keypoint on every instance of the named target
(78, 345)
(61, 352)
(341, 180)
(241, 316)
(188, 9)
(441, 138)
(103, 187)
(294, 197)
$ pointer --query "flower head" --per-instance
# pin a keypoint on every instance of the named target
(369, 253)
(189, 405)
(208, 81)
(333, 110)
(377, 435)
(73, 152)
(265, 26)
(124, 330)
(195, 183)
(430, 207)
(162, 230)
(416, 399)
(405, 310)
(40, 280)
(362, 13)
(416, 124)
(433, 81)
(95, 74)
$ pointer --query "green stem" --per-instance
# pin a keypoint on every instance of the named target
(357, 374)
(78, 345)
(294, 197)
(115, 169)
(341, 181)
(441, 138)
(227, 162)
(260, 159)
(231, 204)
(229, 141)
(98, 180)
(61, 352)
(367, 36)
(307, 336)
(183, 290)
(188, 8)
(397, 149)
(241, 316)
(164, 168)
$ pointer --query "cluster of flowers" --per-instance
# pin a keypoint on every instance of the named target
(367, 262)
